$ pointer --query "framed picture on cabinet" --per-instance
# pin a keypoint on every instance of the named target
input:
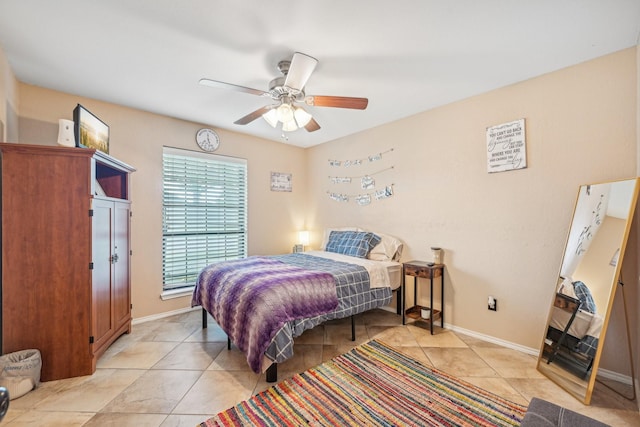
(89, 130)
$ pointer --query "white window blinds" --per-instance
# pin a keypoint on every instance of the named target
(204, 213)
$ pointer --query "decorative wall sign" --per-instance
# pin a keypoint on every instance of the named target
(366, 181)
(348, 179)
(506, 147)
(358, 162)
(340, 179)
(385, 193)
(339, 197)
(363, 199)
(280, 181)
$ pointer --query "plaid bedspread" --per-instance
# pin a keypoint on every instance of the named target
(351, 288)
(354, 296)
(252, 298)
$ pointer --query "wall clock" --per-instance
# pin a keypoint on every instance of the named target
(207, 139)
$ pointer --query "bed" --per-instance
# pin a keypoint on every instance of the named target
(575, 324)
(263, 302)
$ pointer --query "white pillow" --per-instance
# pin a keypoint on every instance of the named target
(389, 249)
(328, 231)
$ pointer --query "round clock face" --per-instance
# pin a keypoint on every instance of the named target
(207, 139)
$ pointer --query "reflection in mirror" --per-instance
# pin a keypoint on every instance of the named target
(581, 307)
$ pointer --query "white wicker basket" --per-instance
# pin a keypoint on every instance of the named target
(20, 372)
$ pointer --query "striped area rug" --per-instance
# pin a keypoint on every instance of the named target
(372, 385)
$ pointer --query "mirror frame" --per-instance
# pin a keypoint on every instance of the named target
(586, 398)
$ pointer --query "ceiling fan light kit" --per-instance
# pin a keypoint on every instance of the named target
(287, 91)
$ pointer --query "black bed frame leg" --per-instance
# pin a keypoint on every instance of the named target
(272, 373)
(228, 343)
(353, 328)
(204, 318)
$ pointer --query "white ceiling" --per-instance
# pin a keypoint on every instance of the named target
(406, 56)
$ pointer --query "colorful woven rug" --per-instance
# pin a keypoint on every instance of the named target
(372, 385)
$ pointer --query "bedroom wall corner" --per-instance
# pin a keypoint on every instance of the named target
(9, 101)
(503, 234)
(137, 138)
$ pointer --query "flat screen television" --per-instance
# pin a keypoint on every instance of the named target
(89, 130)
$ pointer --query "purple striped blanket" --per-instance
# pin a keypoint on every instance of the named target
(252, 298)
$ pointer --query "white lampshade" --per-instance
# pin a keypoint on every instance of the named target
(289, 126)
(303, 237)
(271, 117)
(284, 113)
(291, 118)
(302, 117)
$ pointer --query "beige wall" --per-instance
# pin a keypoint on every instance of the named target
(503, 234)
(137, 138)
(8, 100)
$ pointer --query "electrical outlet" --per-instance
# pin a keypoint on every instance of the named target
(492, 304)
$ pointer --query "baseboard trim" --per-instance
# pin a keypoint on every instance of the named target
(494, 340)
(158, 316)
(615, 376)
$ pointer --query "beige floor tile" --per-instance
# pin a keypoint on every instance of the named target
(338, 333)
(139, 355)
(92, 394)
(304, 357)
(395, 336)
(191, 355)
(509, 363)
(171, 331)
(230, 360)
(311, 336)
(212, 333)
(547, 390)
(192, 378)
(12, 414)
(476, 342)
(440, 338)
(126, 420)
(44, 391)
(416, 353)
(185, 420)
(498, 386)
(461, 362)
(331, 351)
(154, 392)
(51, 419)
(216, 391)
(381, 317)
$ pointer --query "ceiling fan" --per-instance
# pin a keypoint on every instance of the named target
(288, 91)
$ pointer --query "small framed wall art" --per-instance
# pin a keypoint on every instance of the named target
(280, 181)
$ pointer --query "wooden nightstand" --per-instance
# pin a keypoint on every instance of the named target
(426, 270)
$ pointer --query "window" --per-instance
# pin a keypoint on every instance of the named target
(204, 213)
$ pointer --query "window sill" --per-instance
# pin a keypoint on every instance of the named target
(176, 293)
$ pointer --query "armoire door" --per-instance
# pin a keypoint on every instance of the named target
(102, 316)
(121, 251)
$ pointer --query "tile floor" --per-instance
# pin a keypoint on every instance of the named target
(171, 372)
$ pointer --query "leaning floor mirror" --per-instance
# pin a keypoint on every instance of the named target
(586, 286)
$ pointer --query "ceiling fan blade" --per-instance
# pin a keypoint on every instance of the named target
(337, 101)
(312, 126)
(223, 85)
(252, 116)
(300, 70)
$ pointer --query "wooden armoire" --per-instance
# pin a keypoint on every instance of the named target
(65, 215)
